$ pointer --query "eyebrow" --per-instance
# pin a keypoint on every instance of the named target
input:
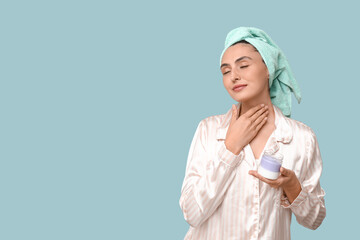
(237, 60)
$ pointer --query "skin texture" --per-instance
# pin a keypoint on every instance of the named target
(255, 121)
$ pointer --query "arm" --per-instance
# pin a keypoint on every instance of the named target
(207, 178)
(309, 205)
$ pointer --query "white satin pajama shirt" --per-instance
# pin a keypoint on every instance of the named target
(220, 200)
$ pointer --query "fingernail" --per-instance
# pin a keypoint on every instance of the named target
(262, 105)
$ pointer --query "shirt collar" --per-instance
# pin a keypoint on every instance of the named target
(283, 132)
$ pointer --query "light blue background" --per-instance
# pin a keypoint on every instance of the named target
(100, 100)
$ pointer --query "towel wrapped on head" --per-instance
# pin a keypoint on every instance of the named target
(281, 79)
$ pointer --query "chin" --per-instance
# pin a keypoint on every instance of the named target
(245, 96)
(241, 97)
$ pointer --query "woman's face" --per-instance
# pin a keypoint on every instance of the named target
(242, 64)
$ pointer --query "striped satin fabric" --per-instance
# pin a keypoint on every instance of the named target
(221, 201)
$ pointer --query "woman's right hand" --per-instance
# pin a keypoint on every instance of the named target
(243, 129)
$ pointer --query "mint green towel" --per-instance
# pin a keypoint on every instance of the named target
(281, 79)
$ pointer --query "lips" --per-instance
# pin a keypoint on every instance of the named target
(239, 86)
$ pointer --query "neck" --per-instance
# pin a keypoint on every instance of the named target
(246, 105)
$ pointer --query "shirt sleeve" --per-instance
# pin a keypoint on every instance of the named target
(309, 206)
(207, 177)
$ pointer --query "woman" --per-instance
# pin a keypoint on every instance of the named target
(223, 196)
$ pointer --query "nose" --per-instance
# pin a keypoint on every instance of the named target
(235, 75)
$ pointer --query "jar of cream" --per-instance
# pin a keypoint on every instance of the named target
(270, 166)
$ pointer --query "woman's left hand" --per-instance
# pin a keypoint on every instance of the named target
(287, 180)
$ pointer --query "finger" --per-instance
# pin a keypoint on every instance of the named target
(284, 171)
(253, 110)
(280, 181)
(261, 112)
(276, 183)
(234, 115)
(261, 124)
(257, 175)
(252, 172)
(261, 116)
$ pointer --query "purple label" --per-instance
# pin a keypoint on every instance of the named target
(270, 164)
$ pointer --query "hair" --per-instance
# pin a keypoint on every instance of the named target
(246, 42)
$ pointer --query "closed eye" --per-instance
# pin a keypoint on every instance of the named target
(240, 67)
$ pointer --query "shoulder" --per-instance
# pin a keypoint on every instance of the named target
(211, 121)
(301, 129)
(210, 124)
